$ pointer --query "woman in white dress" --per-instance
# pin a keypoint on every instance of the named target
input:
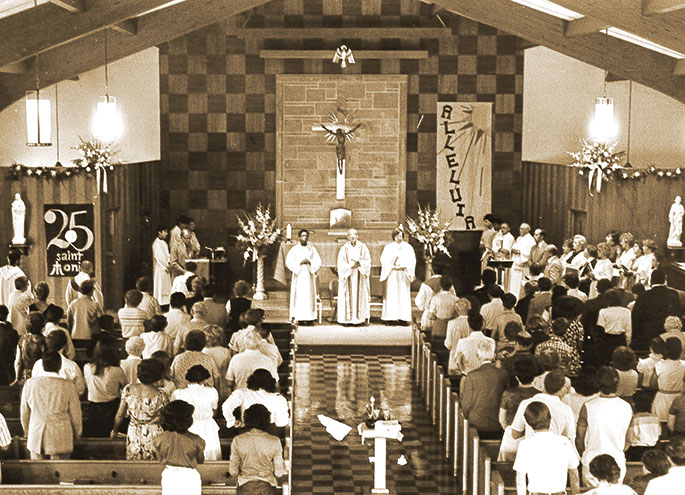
(668, 378)
(205, 400)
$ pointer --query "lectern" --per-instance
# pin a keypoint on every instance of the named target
(381, 431)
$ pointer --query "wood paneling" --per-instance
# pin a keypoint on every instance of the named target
(554, 194)
(125, 222)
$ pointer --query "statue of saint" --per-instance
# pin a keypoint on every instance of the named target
(18, 217)
(675, 217)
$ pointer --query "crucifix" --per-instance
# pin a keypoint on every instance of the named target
(339, 129)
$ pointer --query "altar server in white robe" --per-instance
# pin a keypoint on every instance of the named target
(160, 267)
(398, 263)
(304, 261)
(521, 257)
(354, 267)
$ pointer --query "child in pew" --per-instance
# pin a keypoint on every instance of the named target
(179, 450)
(646, 366)
(655, 463)
(645, 428)
(134, 348)
(625, 362)
(155, 338)
(604, 468)
(545, 461)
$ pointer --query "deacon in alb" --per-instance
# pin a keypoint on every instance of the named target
(521, 256)
(398, 262)
(354, 267)
(160, 267)
(304, 261)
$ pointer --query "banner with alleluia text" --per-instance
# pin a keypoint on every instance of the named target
(463, 156)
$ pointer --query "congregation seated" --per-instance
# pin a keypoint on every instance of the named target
(194, 343)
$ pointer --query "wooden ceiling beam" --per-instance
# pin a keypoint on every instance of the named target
(679, 69)
(668, 31)
(584, 25)
(155, 28)
(47, 26)
(72, 6)
(129, 26)
(633, 62)
(652, 7)
(21, 67)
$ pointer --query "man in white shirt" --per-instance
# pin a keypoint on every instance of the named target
(466, 356)
(502, 242)
(545, 460)
(149, 305)
(563, 422)
(69, 370)
(674, 481)
(73, 287)
(521, 257)
(603, 424)
(491, 310)
(457, 329)
(244, 364)
(179, 283)
(8, 273)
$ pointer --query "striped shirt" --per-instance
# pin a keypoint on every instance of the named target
(131, 320)
(5, 437)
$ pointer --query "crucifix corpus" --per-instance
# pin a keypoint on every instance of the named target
(339, 129)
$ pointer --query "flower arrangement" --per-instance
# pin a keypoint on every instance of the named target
(96, 153)
(429, 231)
(599, 160)
(257, 232)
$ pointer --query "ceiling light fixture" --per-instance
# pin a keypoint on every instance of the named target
(38, 125)
(603, 127)
(107, 123)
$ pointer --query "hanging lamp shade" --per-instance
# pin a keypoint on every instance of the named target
(603, 127)
(38, 125)
(107, 123)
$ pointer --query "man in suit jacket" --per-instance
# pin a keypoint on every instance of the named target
(652, 308)
(50, 412)
(480, 393)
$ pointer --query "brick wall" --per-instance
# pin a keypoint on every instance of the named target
(306, 164)
(218, 103)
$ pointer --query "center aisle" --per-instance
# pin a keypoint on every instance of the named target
(339, 386)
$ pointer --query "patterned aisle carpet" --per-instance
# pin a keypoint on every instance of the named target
(339, 387)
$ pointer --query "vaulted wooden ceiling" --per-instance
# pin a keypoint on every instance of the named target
(67, 34)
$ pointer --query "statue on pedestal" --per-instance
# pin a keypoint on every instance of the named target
(675, 217)
(18, 218)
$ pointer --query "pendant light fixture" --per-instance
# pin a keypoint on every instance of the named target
(38, 125)
(603, 127)
(107, 124)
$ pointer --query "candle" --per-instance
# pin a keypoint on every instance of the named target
(288, 232)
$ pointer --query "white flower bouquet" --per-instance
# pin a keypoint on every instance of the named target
(429, 231)
(258, 231)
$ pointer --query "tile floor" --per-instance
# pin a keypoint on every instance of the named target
(339, 386)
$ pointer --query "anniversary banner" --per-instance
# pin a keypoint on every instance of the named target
(69, 237)
(463, 163)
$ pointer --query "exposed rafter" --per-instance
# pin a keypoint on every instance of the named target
(668, 30)
(129, 26)
(35, 30)
(71, 5)
(651, 7)
(79, 56)
(633, 62)
(584, 25)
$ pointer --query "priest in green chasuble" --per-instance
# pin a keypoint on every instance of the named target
(304, 261)
(354, 267)
(398, 262)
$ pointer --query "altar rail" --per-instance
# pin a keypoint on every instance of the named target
(557, 199)
(125, 222)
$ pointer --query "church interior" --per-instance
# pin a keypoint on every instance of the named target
(120, 118)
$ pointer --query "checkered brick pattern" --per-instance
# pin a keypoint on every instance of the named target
(219, 111)
(339, 386)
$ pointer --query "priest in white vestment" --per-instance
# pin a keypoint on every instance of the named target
(520, 252)
(398, 263)
(304, 261)
(8, 274)
(354, 267)
(161, 278)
